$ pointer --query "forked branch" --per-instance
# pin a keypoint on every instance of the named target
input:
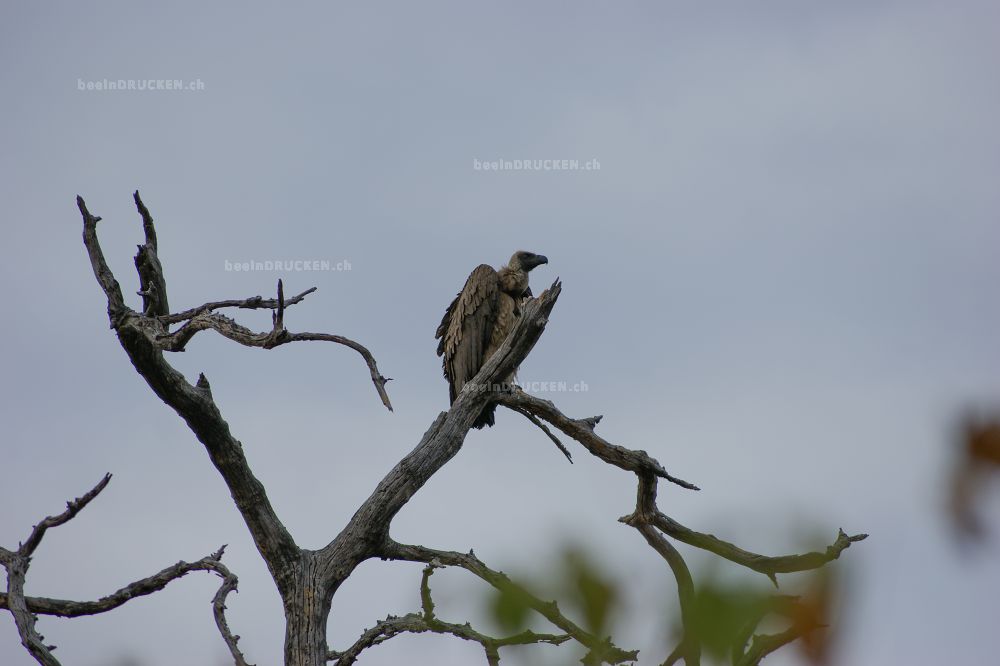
(25, 608)
(583, 431)
(153, 291)
(652, 524)
(16, 562)
(145, 336)
(601, 649)
(427, 621)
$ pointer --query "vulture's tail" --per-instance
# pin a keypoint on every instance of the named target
(485, 417)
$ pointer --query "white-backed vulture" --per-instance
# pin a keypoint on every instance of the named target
(480, 318)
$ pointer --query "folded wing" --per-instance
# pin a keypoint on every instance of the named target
(467, 327)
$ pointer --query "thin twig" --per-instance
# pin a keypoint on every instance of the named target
(582, 430)
(601, 648)
(72, 508)
(544, 428)
(252, 303)
(427, 621)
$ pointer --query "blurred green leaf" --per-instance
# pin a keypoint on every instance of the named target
(593, 591)
(510, 610)
(722, 613)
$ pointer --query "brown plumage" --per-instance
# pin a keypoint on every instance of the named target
(479, 320)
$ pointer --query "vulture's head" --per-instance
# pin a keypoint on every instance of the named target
(527, 260)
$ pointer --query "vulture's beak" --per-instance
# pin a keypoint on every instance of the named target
(538, 260)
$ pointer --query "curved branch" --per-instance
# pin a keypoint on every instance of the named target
(152, 284)
(646, 513)
(768, 565)
(602, 650)
(139, 588)
(145, 587)
(804, 622)
(17, 562)
(105, 278)
(72, 508)
(202, 318)
(24, 619)
(228, 328)
(548, 433)
(415, 623)
(763, 645)
(377, 379)
(689, 650)
(427, 621)
(24, 608)
(229, 584)
(252, 303)
(582, 430)
(648, 519)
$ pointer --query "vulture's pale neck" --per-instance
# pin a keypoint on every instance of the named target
(513, 279)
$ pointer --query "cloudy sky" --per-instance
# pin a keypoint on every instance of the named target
(781, 282)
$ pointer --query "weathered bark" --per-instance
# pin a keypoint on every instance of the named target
(307, 607)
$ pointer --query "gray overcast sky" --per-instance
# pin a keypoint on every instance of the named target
(781, 282)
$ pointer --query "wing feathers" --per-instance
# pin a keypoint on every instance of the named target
(467, 327)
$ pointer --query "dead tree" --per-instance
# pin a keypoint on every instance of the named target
(307, 580)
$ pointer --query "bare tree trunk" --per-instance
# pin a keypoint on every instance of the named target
(307, 609)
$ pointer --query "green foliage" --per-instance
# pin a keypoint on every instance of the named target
(721, 615)
(578, 582)
(591, 590)
(509, 608)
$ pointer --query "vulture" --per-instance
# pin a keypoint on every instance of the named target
(480, 318)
